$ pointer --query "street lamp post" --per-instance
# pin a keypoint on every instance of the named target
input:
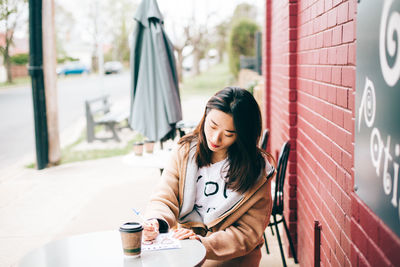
(36, 73)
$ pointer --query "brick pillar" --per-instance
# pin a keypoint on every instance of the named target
(267, 65)
(291, 184)
(281, 94)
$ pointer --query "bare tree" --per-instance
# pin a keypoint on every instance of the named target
(94, 30)
(120, 25)
(179, 46)
(221, 34)
(200, 42)
(11, 12)
(195, 36)
(64, 24)
(110, 22)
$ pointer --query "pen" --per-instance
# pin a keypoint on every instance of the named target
(138, 214)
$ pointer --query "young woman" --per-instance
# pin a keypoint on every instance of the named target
(215, 188)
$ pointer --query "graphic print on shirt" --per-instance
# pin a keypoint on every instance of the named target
(225, 187)
(211, 188)
(213, 197)
(209, 209)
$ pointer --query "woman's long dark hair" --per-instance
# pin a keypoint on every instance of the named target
(246, 159)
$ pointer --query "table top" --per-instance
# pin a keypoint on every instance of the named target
(157, 159)
(105, 249)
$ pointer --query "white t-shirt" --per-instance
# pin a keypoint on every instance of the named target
(213, 198)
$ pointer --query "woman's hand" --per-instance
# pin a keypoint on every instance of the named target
(150, 230)
(183, 233)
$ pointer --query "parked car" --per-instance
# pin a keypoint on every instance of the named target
(73, 68)
(112, 67)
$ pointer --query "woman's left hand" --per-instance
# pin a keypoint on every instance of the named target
(183, 233)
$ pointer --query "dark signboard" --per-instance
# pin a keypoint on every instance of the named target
(377, 125)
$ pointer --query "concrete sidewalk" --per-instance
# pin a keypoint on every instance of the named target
(39, 206)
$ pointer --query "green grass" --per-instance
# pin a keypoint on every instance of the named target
(68, 154)
(214, 79)
(30, 165)
(16, 81)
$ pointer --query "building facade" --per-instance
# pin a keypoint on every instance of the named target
(310, 71)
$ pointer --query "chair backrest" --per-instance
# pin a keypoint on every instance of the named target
(264, 139)
(280, 178)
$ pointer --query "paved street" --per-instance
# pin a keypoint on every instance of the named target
(17, 140)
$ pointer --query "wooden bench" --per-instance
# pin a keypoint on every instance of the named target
(185, 127)
(98, 113)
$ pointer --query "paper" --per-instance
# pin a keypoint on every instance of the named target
(163, 241)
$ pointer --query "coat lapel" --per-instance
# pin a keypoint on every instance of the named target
(247, 195)
(189, 189)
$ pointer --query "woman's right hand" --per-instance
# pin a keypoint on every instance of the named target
(150, 229)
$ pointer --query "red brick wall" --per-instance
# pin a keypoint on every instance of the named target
(19, 71)
(281, 94)
(310, 48)
(326, 54)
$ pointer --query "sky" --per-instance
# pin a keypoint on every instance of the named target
(178, 8)
(177, 12)
(200, 8)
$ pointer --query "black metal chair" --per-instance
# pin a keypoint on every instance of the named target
(263, 145)
(264, 139)
(277, 208)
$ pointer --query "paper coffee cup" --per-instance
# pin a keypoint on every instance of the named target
(138, 148)
(131, 236)
(149, 146)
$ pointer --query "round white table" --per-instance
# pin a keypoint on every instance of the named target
(105, 249)
(157, 159)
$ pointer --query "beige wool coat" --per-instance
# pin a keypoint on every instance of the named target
(232, 239)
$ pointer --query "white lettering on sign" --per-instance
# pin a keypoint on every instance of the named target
(388, 28)
(376, 149)
(379, 150)
(368, 104)
(396, 181)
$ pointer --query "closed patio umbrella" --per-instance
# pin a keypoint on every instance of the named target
(155, 101)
